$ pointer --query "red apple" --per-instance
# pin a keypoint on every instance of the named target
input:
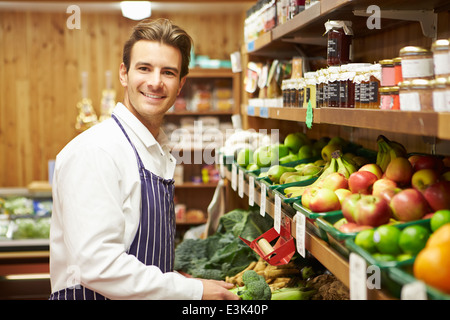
(373, 211)
(383, 184)
(342, 193)
(400, 170)
(335, 181)
(324, 200)
(429, 162)
(374, 168)
(306, 197)
(348, 206)
(413, 159)
(423, 178)
(361, 182)
(438, 195)
(446, 161)
(408, 205)
(351, 227)
(388, 194)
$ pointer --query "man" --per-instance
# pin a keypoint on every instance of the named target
(113, 223)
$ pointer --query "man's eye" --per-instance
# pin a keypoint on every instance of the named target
(143, 69)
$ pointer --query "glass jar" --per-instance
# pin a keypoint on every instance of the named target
(387, 73)
(333, 86)
(320, 79)
(439, 94)
(364, 88)
(417, 63)
(441, 52)
(389, 98)
(300, 92)
(398, 70)
(310, 85)
(339, 42)
(416, 95)
(297, 68)
(374, 85)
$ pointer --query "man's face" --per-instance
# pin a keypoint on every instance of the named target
(153, 81)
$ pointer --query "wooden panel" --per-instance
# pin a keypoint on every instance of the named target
(41, 61)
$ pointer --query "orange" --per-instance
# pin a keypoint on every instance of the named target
(432, 266)
(440, 236)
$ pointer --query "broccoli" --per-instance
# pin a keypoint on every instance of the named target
(255, 287)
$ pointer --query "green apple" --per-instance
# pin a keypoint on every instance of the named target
(244, 157)
(293, 141)
(305, 152)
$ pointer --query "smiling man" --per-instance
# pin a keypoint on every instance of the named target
(113, 222)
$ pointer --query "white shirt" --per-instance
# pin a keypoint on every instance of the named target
(96, 212)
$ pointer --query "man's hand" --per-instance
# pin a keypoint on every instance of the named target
(217, 290)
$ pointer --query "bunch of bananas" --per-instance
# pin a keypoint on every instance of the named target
(336, 164)
(388, 150)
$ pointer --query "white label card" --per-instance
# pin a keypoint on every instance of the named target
(277, 214)
(300, 225)
(414, 291)
(251, 190)
(358, 277)
(234, 177)
(262, 204)
(241, 183)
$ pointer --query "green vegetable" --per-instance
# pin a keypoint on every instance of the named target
(223, 253)
(293, 293)
(255, 287)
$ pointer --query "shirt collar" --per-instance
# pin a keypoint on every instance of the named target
(132, 123)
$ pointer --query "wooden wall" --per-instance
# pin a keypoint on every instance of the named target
(41, 61)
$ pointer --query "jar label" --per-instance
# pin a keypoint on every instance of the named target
(410, 101)
(417, 68)
(439, 101)
(441, 64)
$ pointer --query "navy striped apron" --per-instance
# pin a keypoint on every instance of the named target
(153, 243)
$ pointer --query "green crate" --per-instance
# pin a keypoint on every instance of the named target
(352, 246)
(401, 276)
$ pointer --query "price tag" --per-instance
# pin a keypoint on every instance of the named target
(309, 115)
(262, 204)
(234, 177)
(414, 291)
(277, 214)
(300, 227)
(264, 112)
(251, 110)
(251, 190)
(241, 183)
(358, 277)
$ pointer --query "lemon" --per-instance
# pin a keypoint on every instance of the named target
(364, 239)
(386, 240)
(413, 239)
(439, 218)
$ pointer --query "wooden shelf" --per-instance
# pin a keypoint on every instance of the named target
(424, 123)
(196, 185)
(307, 27)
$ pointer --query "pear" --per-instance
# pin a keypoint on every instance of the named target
(296, 178)
(252, 167)
(311, 170)
(289, 158)
(276, 171)
(244, 157)
(293, 141)
(288, 174)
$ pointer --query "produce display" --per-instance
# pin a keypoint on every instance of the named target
(24, 218)
(390, 201)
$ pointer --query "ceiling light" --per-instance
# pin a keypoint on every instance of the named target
(136, 10)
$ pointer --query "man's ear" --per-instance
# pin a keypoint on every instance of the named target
(123, 75)
(183, 80)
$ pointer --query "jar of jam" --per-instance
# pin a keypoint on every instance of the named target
(398, 70)
(320, 79)
(441, 58)
(339, 42)
(439, 94)
(333, 86)
(387, 73)
(416, 95)
(374, 85)
(310, 84)
(417, 63)
(387, 98)
(300, 92)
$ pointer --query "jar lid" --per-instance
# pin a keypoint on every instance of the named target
(420, 83)
(412, 50)
(439, 82)
(385, 89)
(341, 24)
(440, 44)
(386, 62)
(397, 60)
(404, 84)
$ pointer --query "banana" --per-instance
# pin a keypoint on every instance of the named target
(344, 167)
(388, 150)
(291, 192)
